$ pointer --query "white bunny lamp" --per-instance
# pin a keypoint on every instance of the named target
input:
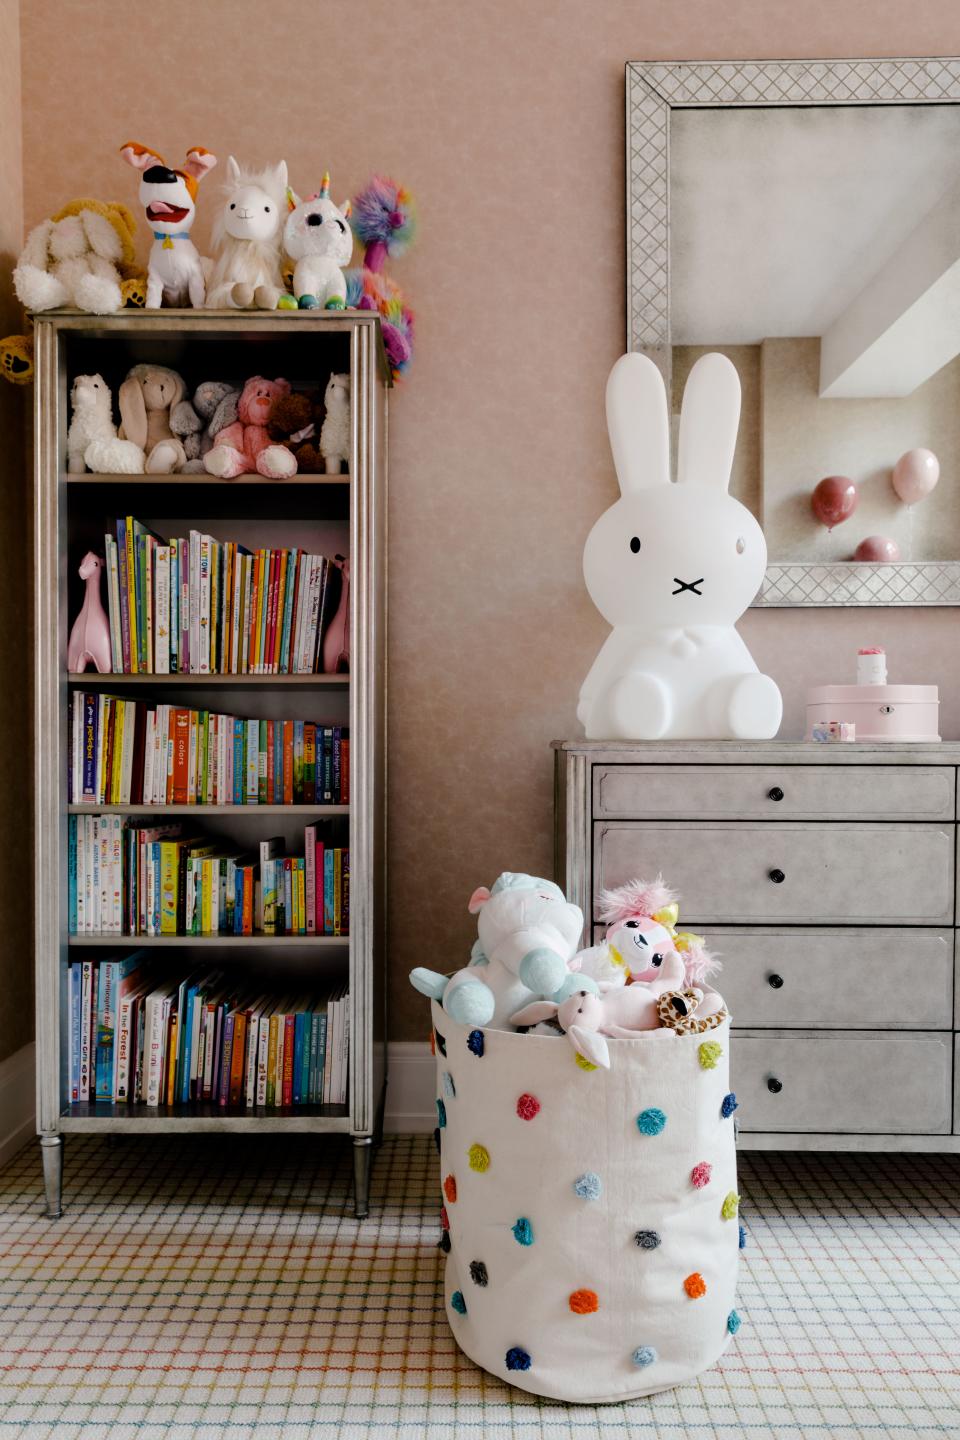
(672, 567)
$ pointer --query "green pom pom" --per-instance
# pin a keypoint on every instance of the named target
(728, 1209)
(709, 1053)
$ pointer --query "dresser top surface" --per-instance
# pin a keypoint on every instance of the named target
(760, 752)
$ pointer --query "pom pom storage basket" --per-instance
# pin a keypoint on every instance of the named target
(590, 1215)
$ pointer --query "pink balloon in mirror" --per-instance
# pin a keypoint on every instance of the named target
(878, 550)
(915, 475)
(834, 500)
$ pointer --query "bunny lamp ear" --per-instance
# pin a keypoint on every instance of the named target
(590, 1045)
(638, 424)
(532, 1014)
(708, 423)
(478, 899)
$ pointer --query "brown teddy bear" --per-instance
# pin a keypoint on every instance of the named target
(295, 422)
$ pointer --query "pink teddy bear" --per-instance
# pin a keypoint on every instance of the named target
(245, 446)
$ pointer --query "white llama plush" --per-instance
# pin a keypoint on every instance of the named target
(672, 567)
(335, 432)
(92, 438)
(246, 239)
(318, 239)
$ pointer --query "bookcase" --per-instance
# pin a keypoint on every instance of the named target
(329, 514)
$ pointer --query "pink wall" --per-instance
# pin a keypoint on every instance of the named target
(507, 121)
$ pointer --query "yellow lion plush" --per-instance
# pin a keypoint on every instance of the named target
(83, 256)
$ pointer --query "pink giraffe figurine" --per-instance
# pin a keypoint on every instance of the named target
(90, 636)
(336, 642)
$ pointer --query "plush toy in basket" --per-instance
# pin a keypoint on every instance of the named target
(590, 1215)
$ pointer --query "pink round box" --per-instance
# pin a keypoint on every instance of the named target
(903, 713)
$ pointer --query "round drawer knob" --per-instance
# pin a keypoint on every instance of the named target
(774, 1085)
(777, 876)
(775, 794)
(775, 981)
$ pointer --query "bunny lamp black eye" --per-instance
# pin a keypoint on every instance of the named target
(635, 545)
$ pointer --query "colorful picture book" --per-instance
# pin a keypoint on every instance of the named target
(133, 752)
(200, 606)
(128, 878)
(135, 1037)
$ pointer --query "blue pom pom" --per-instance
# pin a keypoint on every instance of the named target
(523, 1232)
(475, 1042)
(449, 1089)
(647, 1239)
(743, 1237)
(644, 1355)
(588, 1186)
(728, 1106)
(733, 1322)
(440, 1042)
(458, 1303)
(436, 1138)
(651, 1122)
(441, 1113)
(518, 1359)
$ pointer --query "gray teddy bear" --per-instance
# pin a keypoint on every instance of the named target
(198, 424)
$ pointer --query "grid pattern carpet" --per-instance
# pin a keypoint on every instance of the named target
(217, 1289)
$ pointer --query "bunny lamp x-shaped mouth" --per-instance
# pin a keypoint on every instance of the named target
(674, 666)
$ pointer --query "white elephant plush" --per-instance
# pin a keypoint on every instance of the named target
(672, 567)
(528, 934)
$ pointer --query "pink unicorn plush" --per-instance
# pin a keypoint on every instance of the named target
(641, 918)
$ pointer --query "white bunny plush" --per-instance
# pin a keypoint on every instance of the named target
(672, 567)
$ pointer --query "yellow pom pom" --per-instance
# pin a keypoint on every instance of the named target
(709, 1053)
(729, 1207)
(479, 1158)
(584, 1063)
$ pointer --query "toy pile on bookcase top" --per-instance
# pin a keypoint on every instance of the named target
(136, 1038)
(264, 236)
(126, 878)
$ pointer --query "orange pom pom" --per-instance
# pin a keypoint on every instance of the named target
(450, 1188)
(584, 1302)
(695, 1285)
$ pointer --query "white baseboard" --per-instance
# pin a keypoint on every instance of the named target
(411, 1088)
(18, 1101)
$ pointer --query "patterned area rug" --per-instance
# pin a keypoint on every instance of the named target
(206, 1289)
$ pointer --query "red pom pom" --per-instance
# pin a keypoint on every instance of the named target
(528, 1106)
(450, 1188)
(444, 1217)
(700, 1174)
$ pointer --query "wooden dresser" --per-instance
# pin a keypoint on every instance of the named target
(825, 876)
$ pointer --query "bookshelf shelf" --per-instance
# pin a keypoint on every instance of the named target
(319, 514)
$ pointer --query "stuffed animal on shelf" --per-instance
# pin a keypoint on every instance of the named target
(385, 221)
(246, 239)
(82, 256)
(147, 397)
(336, 639)
(318, 239)
(197, 425)
(90, 636)
(672, 566)
(245, 447)
(528, 934)
(295, 421)
(335, 434)
(92, 442)
(169, 197)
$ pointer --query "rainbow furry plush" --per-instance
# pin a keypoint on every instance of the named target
(384, 220)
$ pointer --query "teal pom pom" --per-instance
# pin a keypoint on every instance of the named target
(728, 1105)
(458, 1303)
(523, 1232)
(644, 1355)
(733, 1322)
(651, 1122)
(518, 1359)
(588, 1186)
(441, 1113)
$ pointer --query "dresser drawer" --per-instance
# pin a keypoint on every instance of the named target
(836, 979)
(768, 792)
(880, 1084)
(832, 873)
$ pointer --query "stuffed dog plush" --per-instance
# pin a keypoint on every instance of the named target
(146, 399)
(175, 273)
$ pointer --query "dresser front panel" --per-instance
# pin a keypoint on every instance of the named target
(882, 1083)
(768, 792)
(834, 873)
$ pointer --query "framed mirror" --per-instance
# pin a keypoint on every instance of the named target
(804, 218)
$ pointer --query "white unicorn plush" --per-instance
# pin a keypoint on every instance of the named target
(672, 567)
(246, 238)
(318, 239)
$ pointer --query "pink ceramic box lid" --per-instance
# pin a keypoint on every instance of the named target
(844, 694)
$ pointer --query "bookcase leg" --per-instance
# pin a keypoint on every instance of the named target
(51, 1148)
(362, 1155)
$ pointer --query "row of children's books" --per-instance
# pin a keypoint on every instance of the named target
(136, 1038)
(126, 878)
(200, 606)
(129, 752)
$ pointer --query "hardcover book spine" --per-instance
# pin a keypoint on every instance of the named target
(289, 1028)
(161, 618)
(310, 878)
